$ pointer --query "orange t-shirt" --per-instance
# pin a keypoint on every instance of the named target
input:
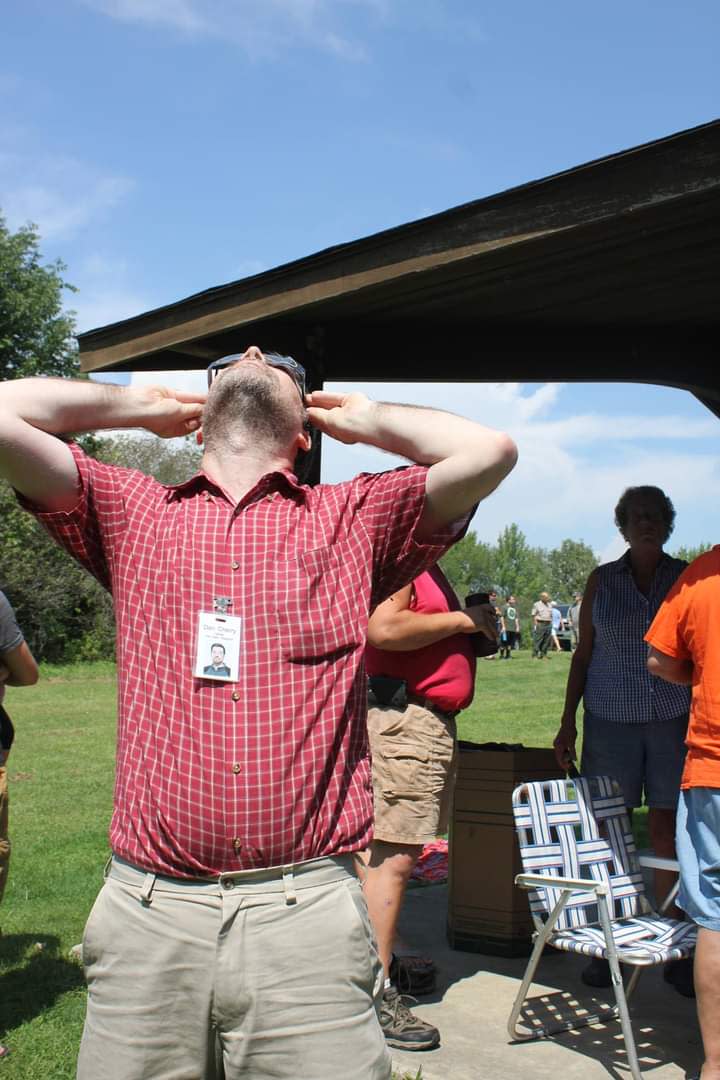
(687, 627)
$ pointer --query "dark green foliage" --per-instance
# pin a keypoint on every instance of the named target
(569, 567)
(36, 336)
(691, 553)
(513, 566)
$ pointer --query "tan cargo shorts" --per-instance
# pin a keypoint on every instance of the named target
(414, 762)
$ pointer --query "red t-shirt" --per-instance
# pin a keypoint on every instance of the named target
(444, 672)
(687, 627)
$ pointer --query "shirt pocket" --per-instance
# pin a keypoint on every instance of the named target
(319, 605)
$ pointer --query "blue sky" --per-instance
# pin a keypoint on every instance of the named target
(166, 146)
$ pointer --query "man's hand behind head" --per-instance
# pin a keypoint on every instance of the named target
(345, 417)
(171, 413)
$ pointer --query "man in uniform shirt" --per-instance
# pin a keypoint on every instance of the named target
(542, 626)
(231, 922)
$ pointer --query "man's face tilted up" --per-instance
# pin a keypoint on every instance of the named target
(255, 400)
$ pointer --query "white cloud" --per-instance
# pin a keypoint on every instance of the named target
(262, 27)
(70, 196)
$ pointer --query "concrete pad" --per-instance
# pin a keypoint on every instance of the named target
(475, 993)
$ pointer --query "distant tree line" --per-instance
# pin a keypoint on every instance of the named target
(513, 566)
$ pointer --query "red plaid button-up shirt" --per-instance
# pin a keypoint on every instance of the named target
(272, 769)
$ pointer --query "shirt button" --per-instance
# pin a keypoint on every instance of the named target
(235, 564)
(236, 695)
(228, 884)
(236, 767)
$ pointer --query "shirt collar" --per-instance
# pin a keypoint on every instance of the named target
(622, 565)
(282, 480)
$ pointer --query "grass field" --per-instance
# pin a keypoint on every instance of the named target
(61, 777)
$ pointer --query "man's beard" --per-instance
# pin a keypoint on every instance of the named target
(247, 406)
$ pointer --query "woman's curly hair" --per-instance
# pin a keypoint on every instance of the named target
(646, 491)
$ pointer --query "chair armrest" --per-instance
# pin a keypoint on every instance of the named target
(532, 881)
(658, 862)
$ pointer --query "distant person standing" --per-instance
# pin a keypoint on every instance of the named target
(17, 668)
(574, 620)
(556, 626)
(542, 626)
(510, 628)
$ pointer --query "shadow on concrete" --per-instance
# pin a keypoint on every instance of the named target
(475, 992)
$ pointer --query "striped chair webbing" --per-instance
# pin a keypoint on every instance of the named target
(643, 940)
(578, 828)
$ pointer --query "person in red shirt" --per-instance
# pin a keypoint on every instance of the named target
(231, 924)
(685, 649)
(421, 666)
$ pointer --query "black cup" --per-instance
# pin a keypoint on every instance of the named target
(481, 643)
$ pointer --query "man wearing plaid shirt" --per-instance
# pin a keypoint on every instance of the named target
(230, 937)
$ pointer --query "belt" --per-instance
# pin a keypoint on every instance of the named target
(267, 879)
(426, 703)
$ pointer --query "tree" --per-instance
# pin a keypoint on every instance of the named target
(569, 567)
(36, 336)
(689, 554)
(519, 568)
(169, 460)
(468, 566)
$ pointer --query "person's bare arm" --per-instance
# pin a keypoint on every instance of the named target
(670, 668)
(395, 627)
(18, 666)
(564, 742)
(467, 461)
(33, 411)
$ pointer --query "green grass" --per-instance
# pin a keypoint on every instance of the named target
(61, 777)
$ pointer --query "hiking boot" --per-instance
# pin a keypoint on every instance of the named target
(401, 1028)
(412, 975)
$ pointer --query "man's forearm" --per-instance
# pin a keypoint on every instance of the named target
(65, 406)
(466, 460)
(33, 411)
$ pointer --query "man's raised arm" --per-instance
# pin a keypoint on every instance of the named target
(33, 411)
(467, 461)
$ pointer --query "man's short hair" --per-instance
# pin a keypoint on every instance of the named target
(217, 645)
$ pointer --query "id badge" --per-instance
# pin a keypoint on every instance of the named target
(217, 653)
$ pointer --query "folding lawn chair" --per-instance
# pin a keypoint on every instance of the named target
(587, 894)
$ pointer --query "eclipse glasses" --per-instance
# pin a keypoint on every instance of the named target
(285, 363)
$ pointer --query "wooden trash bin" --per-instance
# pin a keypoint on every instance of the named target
(486, 912)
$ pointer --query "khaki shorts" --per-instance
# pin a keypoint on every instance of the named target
(260, 975)
(414, 762)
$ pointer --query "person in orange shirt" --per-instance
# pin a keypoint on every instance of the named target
(684, 641)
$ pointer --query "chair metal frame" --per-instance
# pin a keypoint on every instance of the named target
(599, 891)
